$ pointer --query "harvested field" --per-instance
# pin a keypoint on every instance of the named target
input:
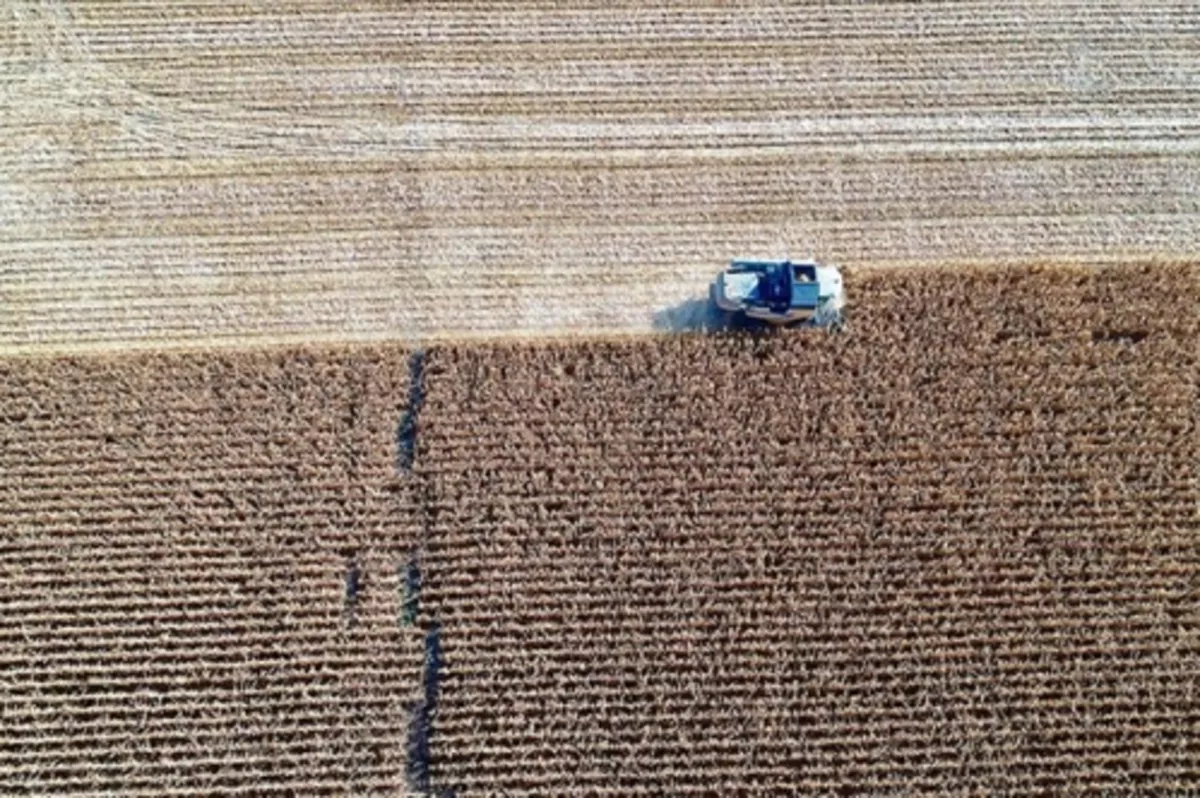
(177, 536)
(956, 550)
(217, 173)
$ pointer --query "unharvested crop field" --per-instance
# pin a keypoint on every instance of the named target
(954, 551)
(218, 172)
(176, 534)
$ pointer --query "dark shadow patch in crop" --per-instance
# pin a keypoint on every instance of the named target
(406, 430)
(410, 590)
(423, 714)
(355, 585)
(1119, 336)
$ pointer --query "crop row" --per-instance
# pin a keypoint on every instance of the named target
(953, 546)
(178, 536)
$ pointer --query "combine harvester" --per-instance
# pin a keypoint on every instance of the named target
(781, 294)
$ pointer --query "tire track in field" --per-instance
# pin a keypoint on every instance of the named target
(216, 173)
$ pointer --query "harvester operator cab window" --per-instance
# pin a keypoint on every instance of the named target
(805, 274)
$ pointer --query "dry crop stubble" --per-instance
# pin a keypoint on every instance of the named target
(953, 550)
(176, 538)
(211, 173)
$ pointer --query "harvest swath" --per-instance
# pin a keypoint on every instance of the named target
(175, 536)
(953, 550)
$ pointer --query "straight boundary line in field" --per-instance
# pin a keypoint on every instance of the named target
(247, 341)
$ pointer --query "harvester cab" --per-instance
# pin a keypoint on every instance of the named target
(782, 293)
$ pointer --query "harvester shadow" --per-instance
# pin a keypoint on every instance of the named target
(423, 715)
(698, 315)
(406, 430)
(691, 315)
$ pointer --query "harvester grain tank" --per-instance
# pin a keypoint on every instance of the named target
(782, 293)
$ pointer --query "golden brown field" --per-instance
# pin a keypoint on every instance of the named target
(222, 173)
(176, 534)
(953, 551)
